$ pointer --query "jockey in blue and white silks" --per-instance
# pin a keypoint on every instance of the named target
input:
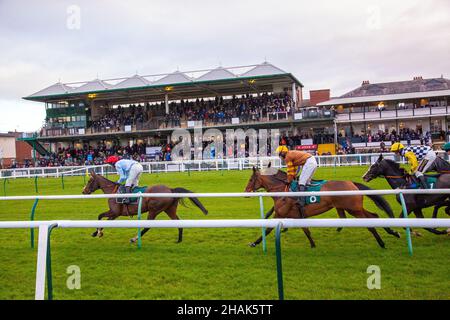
(129, 172)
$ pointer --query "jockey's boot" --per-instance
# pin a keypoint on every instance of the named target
(423, 182)
(301, 201)
(127, 200)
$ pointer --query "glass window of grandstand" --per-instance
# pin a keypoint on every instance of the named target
(56, 105)
(436, 126)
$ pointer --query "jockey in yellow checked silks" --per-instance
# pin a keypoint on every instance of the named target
(296, 161)
(414, 154)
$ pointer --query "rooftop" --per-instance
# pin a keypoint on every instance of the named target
(214, 81)
(411, 89)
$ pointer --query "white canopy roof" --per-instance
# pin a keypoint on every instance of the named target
(133, 82)
(216, 74)
(55, 89)
(176, 77)
(94, 85)
(137, 81)
(263, 69)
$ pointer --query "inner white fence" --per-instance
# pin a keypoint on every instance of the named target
(196, 165)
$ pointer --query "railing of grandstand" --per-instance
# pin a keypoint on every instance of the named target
(56, 129)
(394, 113)
(196, 165)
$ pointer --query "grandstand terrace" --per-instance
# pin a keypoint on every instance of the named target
(146, 109)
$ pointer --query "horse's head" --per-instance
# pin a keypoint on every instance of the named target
(375, 170)
(383, 167)
(92, 184)
(254, 183)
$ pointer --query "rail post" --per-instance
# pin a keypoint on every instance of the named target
(4, 186)
(279, 264)
(36, 184)
(62, 180)
(139, 244)
(408, 229)
(49, 264)
(33, 211)
(261, 210)
(43, 268)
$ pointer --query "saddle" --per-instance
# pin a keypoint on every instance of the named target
(133, 200)
(413, 182)
(315, 185)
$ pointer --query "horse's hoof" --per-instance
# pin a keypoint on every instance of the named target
(133, 240)
(417, 234)
(100, 234)
(313, 246)
(397, 235)
(284, 230)
(94, 234)
(252, 245)
(448, 231)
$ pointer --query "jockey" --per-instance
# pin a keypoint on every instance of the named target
(128, 170)
(294, 161)
(413, 154)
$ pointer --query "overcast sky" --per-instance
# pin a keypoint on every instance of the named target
(325, 44)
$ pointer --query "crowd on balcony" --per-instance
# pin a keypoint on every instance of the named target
(404, 134)
(116, 118)
(247, 108)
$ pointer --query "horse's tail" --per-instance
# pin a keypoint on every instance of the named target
(193, 200)
(379, 201)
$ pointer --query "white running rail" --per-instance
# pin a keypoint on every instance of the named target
(46, 226)
(195, 165)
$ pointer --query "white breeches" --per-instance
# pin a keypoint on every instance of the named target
(133, 177)
(425, 163)
(308, 170)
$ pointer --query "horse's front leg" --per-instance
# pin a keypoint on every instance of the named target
(100, 217)
(151, 216)
(100, 230)
(258, 241)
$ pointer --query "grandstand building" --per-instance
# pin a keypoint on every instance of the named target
(146, 109)
(414, 110)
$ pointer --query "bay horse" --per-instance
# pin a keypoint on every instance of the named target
(398, 178)
(273, 180)
(153, 206)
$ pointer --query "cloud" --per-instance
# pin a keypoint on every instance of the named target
(324, 44)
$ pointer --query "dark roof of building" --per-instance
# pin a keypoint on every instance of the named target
(398, 87)
(8, 134)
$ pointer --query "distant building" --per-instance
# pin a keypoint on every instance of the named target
(13, 151)
(410, 108)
